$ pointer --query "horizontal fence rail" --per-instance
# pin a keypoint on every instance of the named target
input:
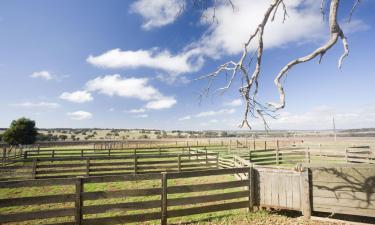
(44, 168)
(85, 200)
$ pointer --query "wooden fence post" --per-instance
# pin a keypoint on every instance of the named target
(87, 167)
(307, 155)
(217, 160)
(159, 150)
(346, 155)
(78, 201)
(109, 152)
(254, 145)
(33, 173)
(305, 193)
(4, 155)
(135, 163)
(206, 155)
(179, 163)
(24, 156)
(265, 145)
(53, 155)
(277, 152)
(164, 199)
(81, 152)
(251, 188)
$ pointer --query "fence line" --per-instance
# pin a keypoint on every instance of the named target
(163, 208)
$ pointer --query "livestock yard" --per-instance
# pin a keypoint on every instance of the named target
(204, 181)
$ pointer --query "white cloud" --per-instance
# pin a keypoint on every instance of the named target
(234, 103)
(141, 116)
(215, 113)
(158, 13)
(80, 115)
(163, 103)
(154, 59)
(51, 105)
(140, 110)
(43, 75)
(138, 88)
(233, 28)
(321, 117)
(184, 118)
(208, 114)
(354, 26)
(77, 96)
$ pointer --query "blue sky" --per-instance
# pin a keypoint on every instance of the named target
(133, 64)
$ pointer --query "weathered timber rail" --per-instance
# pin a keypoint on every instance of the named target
(43, 168)
(163, 201)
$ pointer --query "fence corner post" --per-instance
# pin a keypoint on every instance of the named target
(164, 199)
(78, 201)
(305, 193)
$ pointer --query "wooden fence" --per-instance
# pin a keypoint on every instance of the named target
(334, 188)
(43, 168)
(343, 189)
(83, 204)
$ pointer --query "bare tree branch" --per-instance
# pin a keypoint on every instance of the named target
(250, 78)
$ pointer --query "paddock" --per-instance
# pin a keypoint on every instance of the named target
(111, 185)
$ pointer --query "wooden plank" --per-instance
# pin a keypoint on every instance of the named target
(289, 192)
(18, 217)
(94, 209)
(207, 209)
(207, 187)
(210, 172)
(339, 186)
(118, 168)
(142, 217)
(344, 202)
(345, 210)
(37, 200)
(119, 178)
(36, 183)
(69, 165)
(368, 196)
(207, 198)
(120, 194)
(274, 189)
(348, 175)
(296, 192)
(46, 172)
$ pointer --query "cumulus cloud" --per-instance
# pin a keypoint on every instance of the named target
(77, 96)
(209, 114)
(157, 13)
(42, 74)
(139, 88)
(80, 115)
(183, 62)
(50, 105)
(234, 103)
(162, 103)
(233, 28)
